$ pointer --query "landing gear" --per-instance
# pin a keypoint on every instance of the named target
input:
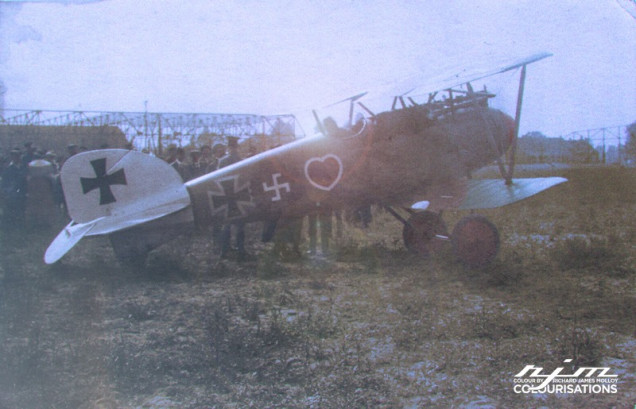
(475, 241)
(425, 233)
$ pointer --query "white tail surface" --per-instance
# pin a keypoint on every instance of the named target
(65, 241)
(113, 189)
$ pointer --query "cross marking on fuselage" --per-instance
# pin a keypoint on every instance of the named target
(102, 181)
(276, 186)
(232, 199)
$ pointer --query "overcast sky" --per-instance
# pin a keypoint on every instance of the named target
(273, 57)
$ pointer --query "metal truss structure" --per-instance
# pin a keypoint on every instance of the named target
(611, 135)
(604, 138)
(151, 129)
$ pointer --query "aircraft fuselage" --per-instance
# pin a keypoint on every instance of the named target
(398, 157)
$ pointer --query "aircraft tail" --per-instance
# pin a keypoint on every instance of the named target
(113, 189)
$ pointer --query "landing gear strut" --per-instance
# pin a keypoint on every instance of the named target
(425, 233)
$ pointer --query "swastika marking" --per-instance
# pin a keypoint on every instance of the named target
(276, 186)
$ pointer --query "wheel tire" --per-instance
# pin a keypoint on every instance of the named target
(475, 241)
(420, 233)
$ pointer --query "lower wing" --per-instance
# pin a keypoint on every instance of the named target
(490, 193)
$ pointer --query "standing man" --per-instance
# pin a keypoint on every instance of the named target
(320, 217)
(195, 168)
(206, 157)
(232, 156)
(29, 154)
(71, 150)
(218, 152)
(179, 163)
(14, 190)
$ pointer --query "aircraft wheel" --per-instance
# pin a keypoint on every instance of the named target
(475, 241)
(425, 233)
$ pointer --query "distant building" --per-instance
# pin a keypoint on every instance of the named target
(57, 138)
(535, 147)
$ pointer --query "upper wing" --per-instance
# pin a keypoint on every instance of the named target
(464, 76)
(421, 85)
(460, 74)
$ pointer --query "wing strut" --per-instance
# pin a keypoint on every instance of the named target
(500, 162)
(507, 173)
(319, 123)
(513, 145)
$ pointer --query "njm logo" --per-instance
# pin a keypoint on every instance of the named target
(532, 379)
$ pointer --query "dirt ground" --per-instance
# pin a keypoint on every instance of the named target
(369, 325)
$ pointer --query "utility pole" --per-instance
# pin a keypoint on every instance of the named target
(620, 160)
(603, 146)
(159, 144)
(146, 122)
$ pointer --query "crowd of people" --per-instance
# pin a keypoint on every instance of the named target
(200, 161)
(29, 187)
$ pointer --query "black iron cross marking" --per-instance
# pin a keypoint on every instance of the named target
(231, 197)
(102, 181)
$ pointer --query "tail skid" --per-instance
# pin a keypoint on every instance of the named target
(113, 189)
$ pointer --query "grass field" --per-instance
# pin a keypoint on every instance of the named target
(370, 326)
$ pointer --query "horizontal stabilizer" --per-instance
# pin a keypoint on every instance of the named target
(66, 240)
(490, 193)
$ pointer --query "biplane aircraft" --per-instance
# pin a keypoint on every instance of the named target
(414, 160)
